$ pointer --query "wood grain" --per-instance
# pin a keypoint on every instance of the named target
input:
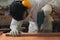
(4, 37)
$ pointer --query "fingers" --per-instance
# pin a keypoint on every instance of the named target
(14, 33)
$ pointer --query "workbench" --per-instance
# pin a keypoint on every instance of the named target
(32, 36)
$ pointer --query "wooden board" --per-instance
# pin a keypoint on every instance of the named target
(4, 37)
(5, 20)
(38, 34)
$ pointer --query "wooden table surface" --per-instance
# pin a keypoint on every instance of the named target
(4, 37)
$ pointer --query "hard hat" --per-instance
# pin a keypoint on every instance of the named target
(26, 3)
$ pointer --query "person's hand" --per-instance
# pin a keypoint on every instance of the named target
(14, 32)
(57, 10)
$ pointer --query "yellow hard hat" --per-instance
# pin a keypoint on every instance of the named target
(26, 3)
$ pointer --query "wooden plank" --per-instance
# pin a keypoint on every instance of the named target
(2, 11)
(37, 34)
(1, 33)
(5, 29)
(4, 37)
(5, 20)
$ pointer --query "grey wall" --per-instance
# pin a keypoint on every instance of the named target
(6, 2)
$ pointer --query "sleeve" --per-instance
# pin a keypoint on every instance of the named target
(47, 9)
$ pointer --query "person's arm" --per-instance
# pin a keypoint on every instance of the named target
(57, 10)
(47, 9)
